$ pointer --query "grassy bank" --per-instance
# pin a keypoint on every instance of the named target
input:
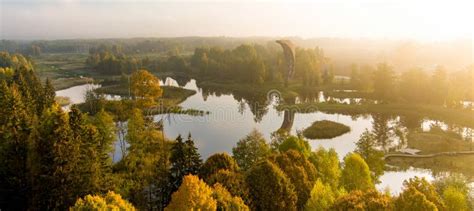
(436, 142)
(64, 83)
(121, 109)
(325, 130)
(446, 163)
(458, 116)
(171, 95)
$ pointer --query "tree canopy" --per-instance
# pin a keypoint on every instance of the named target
(192, 194)
(270, 188)
(250, 150)
(356, 173)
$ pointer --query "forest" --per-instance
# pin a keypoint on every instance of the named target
(58, 159)
(236, 105)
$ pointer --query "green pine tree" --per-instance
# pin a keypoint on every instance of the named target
(15, 127)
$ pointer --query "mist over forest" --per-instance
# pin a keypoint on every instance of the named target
(454, 55)
(236, 105)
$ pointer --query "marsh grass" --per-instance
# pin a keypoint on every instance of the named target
(437, 141)
(325, 130)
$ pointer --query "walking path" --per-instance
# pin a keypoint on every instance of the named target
(428, 155)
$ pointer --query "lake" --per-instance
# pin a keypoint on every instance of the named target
(231, 119)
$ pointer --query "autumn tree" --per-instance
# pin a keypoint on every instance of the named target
(366, 148)
(412, 199)
(295, 143)
(193, 194)
(145, 87)
(327, 166)
(363, 200)
(270, 188)
(455, 199)
(138, 168)
(424, 187)
(455, 190)
(216, 162)
(251, 149)
(233, 181)
(321, 197)
(106, 130)
(225, 201)
(15, 61)
(356, 173)
(109, 201)
(301, 173)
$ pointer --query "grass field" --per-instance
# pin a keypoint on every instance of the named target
(64, 70)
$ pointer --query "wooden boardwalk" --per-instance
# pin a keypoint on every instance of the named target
(428, 155)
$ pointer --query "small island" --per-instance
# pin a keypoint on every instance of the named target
(325, 129)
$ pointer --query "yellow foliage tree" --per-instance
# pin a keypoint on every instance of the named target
(193, 194)
(225, 201)
(111, 201)
(145, 87)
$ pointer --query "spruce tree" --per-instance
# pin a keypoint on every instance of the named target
(178, 163)
(15, 127)
(193, 157)
(185, 160)
(47, 96)
(54, 161)
(89, 167)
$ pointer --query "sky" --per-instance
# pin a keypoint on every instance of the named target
(401, 19)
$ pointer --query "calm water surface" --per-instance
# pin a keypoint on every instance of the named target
(230, 120)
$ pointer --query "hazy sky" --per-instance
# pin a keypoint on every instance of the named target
(400, 19)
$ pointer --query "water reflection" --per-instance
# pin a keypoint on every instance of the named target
(77, 93)
(233, 114)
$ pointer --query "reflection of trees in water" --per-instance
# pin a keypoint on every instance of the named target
(411, 122)
(288, 119)
(389, 133)
(308, 96)
(258, 109)
(439, 165)
(256, 101)
(241, 106)
(182, 80)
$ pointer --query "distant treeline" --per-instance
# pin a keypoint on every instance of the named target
(246, 63)
(132, 45)
(400, 54)
(415, 85)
